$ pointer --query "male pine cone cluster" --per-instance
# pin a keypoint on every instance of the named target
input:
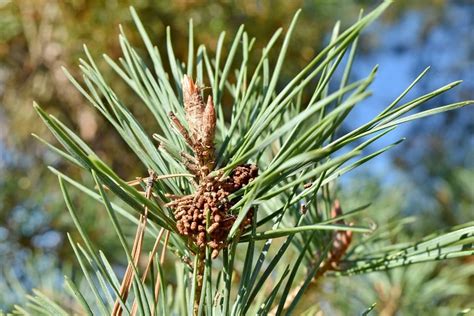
(211, 197)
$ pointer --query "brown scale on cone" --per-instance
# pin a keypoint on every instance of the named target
(211, 196)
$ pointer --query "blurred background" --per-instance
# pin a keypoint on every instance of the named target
(429, 176)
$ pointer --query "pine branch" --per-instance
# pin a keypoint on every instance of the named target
(267, 173)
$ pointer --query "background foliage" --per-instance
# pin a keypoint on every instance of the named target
(38, 37)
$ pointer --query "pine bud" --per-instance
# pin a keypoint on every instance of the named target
(193, 106)
(209, 124)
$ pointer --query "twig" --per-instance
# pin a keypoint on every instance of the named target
(136, 251)
(150, 262)
(158, 278)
